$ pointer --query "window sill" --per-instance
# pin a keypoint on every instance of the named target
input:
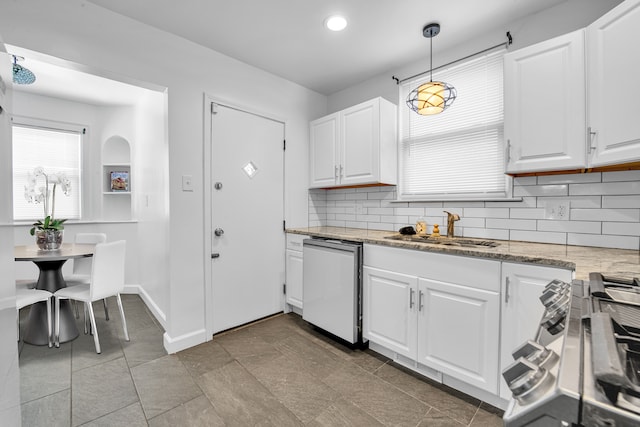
(72, 222)
(458, 199)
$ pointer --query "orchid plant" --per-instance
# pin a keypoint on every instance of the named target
(46, 196)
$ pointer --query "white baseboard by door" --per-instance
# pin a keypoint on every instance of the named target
(160, 316)
(174, 345)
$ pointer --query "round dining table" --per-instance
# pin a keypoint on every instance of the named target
(50, 264)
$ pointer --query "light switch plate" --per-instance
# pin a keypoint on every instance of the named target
(187, 183)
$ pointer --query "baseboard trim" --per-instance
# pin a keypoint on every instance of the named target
(150, 303)
(182, 342)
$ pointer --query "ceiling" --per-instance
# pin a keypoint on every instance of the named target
(288, 38)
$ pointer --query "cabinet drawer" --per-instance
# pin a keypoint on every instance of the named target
(294, 241)
(461, 270)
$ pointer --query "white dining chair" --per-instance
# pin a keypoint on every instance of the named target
(107, 279)
(26, 296)
(81, 272)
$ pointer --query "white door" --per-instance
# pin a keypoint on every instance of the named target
(247, 212)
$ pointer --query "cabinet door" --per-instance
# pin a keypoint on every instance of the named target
(614, 86)
(522, 310)
(294, 274)
(458, 332)
(389, 310)
(323, 151)
(544, 105)
(360, 151)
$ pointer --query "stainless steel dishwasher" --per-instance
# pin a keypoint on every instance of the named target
(332, 287)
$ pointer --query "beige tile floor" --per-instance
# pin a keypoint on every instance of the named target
(277, 372)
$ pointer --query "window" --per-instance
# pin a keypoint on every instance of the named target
(55, 147)
(459, 153)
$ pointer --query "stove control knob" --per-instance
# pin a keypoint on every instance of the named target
(551, 295)
(535, 353)
(554, 321)
(526, 380)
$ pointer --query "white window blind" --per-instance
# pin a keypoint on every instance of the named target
(458, 153)
(56, 150)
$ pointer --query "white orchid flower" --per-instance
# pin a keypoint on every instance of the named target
(39, 170)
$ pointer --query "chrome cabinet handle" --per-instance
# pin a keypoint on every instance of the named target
(411, 292)
(420, 306)
(507, 152)
(506, 290)
(590, 135)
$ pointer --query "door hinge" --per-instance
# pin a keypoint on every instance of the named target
(284, 225)
(284, 288)
(284, 144)
(214, 109)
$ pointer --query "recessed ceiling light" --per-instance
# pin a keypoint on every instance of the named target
(336, 23)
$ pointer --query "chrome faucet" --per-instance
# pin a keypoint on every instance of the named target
(451, 218)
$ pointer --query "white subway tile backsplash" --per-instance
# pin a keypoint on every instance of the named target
(527, 213)
(542, 190)
(336, 195)
(626, 215)
(539, 236)
(470, 222)
(525, 180)
(409, 211)
(605, 189)
(486, 212)
(622, 176)
(621, 228)
(511, 224)
(604, 241)
(588, 227)
(591, 202)
(392, 219)
(604, 210)
(570, 178)
(632, 201)
(380, 211)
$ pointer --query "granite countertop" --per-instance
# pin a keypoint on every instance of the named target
(583, 259)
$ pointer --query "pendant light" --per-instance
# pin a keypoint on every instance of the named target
(432, 97)
(22, 75)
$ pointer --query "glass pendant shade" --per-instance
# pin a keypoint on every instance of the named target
(22, 75)
(431, 98)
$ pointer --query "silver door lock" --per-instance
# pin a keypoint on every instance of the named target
(217, 186)
(218, 232)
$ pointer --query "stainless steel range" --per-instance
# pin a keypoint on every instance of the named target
(583, 366)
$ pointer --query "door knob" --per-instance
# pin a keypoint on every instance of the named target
(218, 232)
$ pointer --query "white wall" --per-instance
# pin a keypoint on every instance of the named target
(564, 18)
(9, 372)
(83, 33)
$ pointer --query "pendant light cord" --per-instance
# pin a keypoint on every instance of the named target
(431, 58)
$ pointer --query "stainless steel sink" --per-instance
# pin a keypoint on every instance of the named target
(445, 241)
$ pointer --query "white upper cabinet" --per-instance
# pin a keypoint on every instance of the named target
(572, 104)
(613, 60)
(544, 105)
(355, 146)
(323, 151)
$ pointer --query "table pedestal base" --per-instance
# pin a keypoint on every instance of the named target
(36, 332)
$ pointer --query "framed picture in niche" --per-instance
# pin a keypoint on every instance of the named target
(119, 181)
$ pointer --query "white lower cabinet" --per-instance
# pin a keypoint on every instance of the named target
(389, 298)
(293, 270)
(457, 331)
(440, 311)
(522, 310)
